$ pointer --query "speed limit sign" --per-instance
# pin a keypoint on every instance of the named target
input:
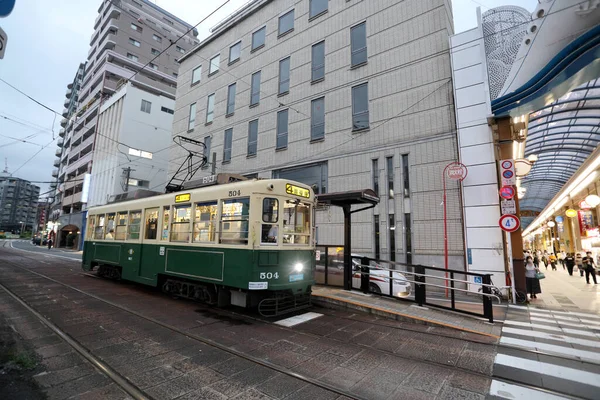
(509, 223)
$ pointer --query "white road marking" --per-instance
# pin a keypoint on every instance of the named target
(551, 328)
(551, 336)
(44, 254)
(552, 348)
(567, 313)
(509, 391)
(569, 324)
(298, 319)
(556, 371)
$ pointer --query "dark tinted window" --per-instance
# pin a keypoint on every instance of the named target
(227, 145)
(360, 107)
(286, 22)
(231, 99)
(390, 175)
(317, 119)
(376, 176)
(317, 7)
(314, 176)
(405, 175)
(358, 36)
(255, 89)
(318, 61)
(235, 52)
(282, 129)
(284, 76)
(376, 234)
(252, 137)
(258, 38)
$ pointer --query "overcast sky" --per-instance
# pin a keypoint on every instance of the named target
(48, 39)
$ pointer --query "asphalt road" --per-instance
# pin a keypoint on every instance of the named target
(26, 245)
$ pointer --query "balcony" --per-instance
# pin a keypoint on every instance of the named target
(109, 43)
(55, 173)
(68, 93)
(62, 132)
(65, 112)
(58, 152)
(67, 103)
(57, 162)
(60, 142)
(70, 85)
(63, 122)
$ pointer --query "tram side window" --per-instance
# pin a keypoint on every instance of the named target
(151, 223)
(205, 222)
(121, 228)
(91, 227)
(99, 231)
(180, 227)
(296, 223)
(270, 219)
(135, 219)
(110, 227)
(235, 221)
(165, 223)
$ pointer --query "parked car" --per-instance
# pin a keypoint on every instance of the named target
(379, 281)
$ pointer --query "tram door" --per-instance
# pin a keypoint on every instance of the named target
(148, 259)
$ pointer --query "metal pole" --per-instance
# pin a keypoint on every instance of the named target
(510, 267)
(347, 248)
(445, 230)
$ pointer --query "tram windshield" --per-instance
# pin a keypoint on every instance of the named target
(296, 222)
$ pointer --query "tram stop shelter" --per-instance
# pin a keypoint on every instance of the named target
(346, 200)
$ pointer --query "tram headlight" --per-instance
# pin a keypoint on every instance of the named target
(298, 267)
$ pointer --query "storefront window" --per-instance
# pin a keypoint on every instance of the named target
(121, 228)
(99, 231)
(151, 223)
(135, 220)
(296, 223)
(180, 227)
(270, 227)
(234, 221)
(165, 223)
(205, 222)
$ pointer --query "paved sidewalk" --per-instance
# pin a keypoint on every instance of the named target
(569, 293)
(408, 311)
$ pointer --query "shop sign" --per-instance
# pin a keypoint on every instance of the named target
(559, 219)
(456, 171)
(584, 206)
(508, 207)
(571, 213)
(592, 232)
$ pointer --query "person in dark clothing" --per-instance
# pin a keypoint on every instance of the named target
(570, 263)
(588, 264)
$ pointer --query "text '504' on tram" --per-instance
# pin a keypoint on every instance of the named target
(248, 243)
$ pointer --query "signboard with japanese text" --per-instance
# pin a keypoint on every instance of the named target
(508, 207)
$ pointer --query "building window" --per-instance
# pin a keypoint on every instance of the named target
(153, 66)
(136, 27)
(132, 56)
(196, 74)
(167, 110)
(175, 74)
(358, 37)
(360, 107)
(317, 7)
(390, 175)
(157, 38)
(227, 145)
(284, 76)
(258, 38)
(405, 175)
(392, 234)
(314, 175)
(235, 52)
(376, 177)
(318, 61)
(168, 21)
(408, 238)
(231, 99)
(317, 119)
(286, 23)
(255, 89)
(214, 64)
(180, 49)
(146, 106)
(282, 130)
(207, 141)
(376, 237)
(154, 52)
(252, 137)
(192, 120)
(134, 42)
(210, 108)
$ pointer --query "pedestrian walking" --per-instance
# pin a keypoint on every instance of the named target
(579, 263)
(560, 258)
(545, 259)
(536, 261)
(570, 263)
(532, 281)
(589, 265)
(564, 256)
(49, 243)
(552, 258)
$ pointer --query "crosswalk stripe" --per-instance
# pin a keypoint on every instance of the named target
(552, 370)
(515, 392)
(569, 352)
(552, 328)
(568, 313)
(562, 318)
(570, 324)
(551, 336)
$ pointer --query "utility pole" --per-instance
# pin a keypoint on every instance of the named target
(126, 175)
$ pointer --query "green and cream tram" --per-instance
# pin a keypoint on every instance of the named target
(248, 243)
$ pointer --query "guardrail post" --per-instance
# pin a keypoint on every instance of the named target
(488, 310)
(452, 299)
(365, 275)
(420, 292)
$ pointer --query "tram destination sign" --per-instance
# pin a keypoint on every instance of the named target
(297, 190)
(182, 198)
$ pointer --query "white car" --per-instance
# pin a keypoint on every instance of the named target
(379, 281)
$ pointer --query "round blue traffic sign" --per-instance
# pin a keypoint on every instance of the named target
(6, 7)
(507, 174)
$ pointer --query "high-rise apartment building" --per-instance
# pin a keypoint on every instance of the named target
(131, 44)
(18, 204)
(341, 95)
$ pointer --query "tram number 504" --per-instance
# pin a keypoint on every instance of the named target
(233, 193)
(269, 275)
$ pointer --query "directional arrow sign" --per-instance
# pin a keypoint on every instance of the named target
(3, 40)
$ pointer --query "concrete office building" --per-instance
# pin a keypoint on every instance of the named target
(128, 34)
(340, 95)
(18, 204)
